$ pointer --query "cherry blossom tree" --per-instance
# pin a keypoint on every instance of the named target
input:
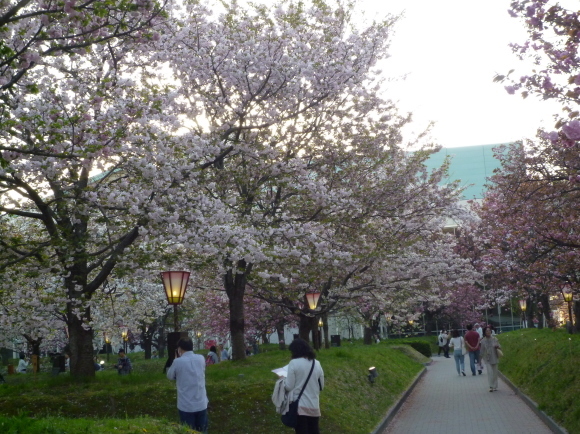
(33, 32)
(527, 236)
(90, 163)
(273, 89)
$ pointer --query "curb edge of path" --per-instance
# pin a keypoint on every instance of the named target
(557, 429)
(395, 407)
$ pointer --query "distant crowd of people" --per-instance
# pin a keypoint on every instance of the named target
(480, 344)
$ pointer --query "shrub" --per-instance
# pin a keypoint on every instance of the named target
(423, 347)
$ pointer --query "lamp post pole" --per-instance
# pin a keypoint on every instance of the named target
(567, 293)
(523, 307)
(125, 336)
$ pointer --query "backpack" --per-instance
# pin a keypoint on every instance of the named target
(209, 360)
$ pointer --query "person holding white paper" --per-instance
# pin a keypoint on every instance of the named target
(298, 370)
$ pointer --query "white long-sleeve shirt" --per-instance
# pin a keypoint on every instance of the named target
(189, 373)
(298, 370)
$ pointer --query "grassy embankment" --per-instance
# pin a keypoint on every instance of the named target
(239, 393)
(544, 365)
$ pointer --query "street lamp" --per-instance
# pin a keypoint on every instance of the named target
(125, 336)
(568, 296)
(107, 344)
(175, 284)
(312, 298)
(372, 374)
(523, 307)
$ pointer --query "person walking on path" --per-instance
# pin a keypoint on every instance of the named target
(443, 344)
(188, 371)
(489, 347)
(472, 345)
(457, 343)
(439, 404)
(303, 359)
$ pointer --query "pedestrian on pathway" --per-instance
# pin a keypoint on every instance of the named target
(472, 345)
(479, 330)
(489, 347)
(458, 348)
(302, 368)
(443, 344)
(188, 371)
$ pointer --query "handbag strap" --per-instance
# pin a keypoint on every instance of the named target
(306, 382)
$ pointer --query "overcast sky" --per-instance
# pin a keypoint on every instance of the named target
(451, 50)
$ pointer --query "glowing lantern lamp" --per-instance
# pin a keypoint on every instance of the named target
(312, 298)
(523, 305)
(175, 284)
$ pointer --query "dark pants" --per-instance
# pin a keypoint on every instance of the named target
(307, 425)
(196, 420)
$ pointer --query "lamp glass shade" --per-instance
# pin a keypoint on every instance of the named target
(124, 332)
(312, 298)
(320, 323)
(175, 284)
(568, 295)
(523, 305)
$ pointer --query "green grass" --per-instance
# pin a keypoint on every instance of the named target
(544, 365)
(239, 394)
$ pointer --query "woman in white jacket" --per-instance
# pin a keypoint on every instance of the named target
(457, 344)
(298, 369)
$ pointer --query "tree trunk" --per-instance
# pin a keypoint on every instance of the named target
(280, 332)
(368, 335)
(576, 315)
(146, 343)
(35, 346)
(325, 329)
(235, 285)
(304, 327)
(161, 343)
(315, 334)
(428, 323)
(81, 347)
(530, 314)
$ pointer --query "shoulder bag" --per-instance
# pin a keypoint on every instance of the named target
(291, 417)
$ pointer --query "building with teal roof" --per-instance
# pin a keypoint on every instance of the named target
(471, 165)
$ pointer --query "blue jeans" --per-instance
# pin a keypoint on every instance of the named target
(196, 420)
(473, 356)
(459, 360)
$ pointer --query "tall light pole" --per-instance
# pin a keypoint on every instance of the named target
(568, 296)
(107, 345)
(523, 307)
(125, 336)
(175, 285)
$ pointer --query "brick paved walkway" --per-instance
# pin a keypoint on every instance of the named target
(442, 402)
